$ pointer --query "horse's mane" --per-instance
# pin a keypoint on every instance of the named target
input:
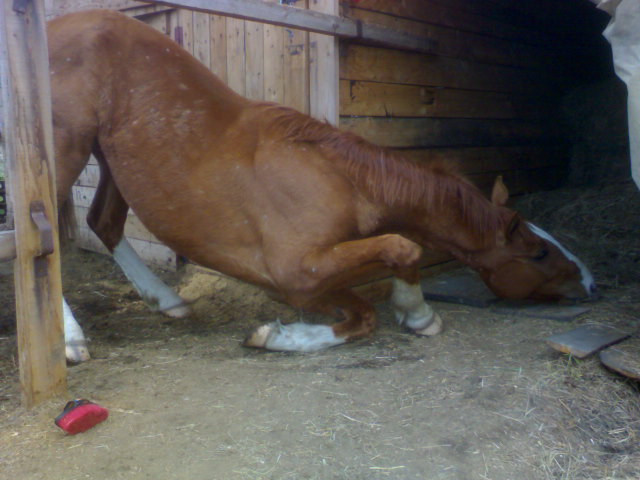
(385, 175)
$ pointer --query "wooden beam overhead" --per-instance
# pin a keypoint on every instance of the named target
(308, 20)
(271, 13)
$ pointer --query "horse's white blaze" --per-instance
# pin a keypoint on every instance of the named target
(587, 279)
(411, 310)
(75, 344)
(297, 337)
(153, 290)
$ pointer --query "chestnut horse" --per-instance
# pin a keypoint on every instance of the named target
(268, 195)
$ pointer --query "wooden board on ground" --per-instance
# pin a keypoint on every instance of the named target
(624, 357)
(550, 311)
(462, 286)
(586, 340)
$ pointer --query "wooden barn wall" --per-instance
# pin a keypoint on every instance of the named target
(487, 97)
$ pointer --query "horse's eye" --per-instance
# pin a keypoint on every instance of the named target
(542, 254)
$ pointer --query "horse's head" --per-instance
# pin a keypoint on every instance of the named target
(527, 262)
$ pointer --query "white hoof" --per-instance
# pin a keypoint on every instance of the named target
(258, 338)
(434, 328)
(77, 352)
(294, 337)
(179, 311)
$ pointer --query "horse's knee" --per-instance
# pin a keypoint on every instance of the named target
(400, 252)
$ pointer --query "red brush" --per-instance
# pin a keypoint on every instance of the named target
(80, 415)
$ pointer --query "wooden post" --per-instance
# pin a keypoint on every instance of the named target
(323, 74)
(24, 68)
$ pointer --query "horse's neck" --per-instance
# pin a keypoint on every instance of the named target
(457, 219)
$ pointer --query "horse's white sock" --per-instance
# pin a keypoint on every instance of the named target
(153, 290)
(297, 337)
(76, 349)
(412, 311)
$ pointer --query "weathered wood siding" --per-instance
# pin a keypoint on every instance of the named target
(486, 98)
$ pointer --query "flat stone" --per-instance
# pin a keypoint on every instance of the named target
(624, 358)
(586, 340)
(462, 286)
(550, 311)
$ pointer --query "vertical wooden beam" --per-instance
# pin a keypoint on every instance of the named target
(184, 36)
(202, 38)
(254, 64)
(236, 55)
(273, 64)
(323, 68)
(29, 147)
(218, 32)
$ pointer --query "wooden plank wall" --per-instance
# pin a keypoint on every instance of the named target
(488, 96)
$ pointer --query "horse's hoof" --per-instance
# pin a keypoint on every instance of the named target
(434, 328)
(179, 311)
(77, 353)
(258, 338)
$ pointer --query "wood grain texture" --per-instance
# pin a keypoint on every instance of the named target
(360, 98)
(392, 66)
(323, 68)
(29, 150)
(438, 132)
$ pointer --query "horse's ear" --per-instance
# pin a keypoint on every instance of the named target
(499, 194)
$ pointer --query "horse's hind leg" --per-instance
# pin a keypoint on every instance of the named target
(106, 218)
(73, 147)
(358, 320)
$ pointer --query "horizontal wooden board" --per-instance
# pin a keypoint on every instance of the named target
(61, 7)
(547, 15)
(624, 357)
(436, 132)
(446, 14)
(150, 253)
(133, 227)
(358, 62)
(586, 340)
(394, 100)
(536, 309)
(476, 160)
(82, 196)
(472, 46)
(89, 177)
(521, 182)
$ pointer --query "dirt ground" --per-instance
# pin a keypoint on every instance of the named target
(487, 399)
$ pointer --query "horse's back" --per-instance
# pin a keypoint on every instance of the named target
(177, 142)
(125, 87)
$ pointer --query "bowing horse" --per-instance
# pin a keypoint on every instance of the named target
(268, 195)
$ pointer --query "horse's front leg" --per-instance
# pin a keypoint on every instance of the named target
(409, 306)
(319, 269)
(358, 320)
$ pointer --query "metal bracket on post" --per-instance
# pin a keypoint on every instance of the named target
(39, 217)
(20, 6)
(45, 231)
